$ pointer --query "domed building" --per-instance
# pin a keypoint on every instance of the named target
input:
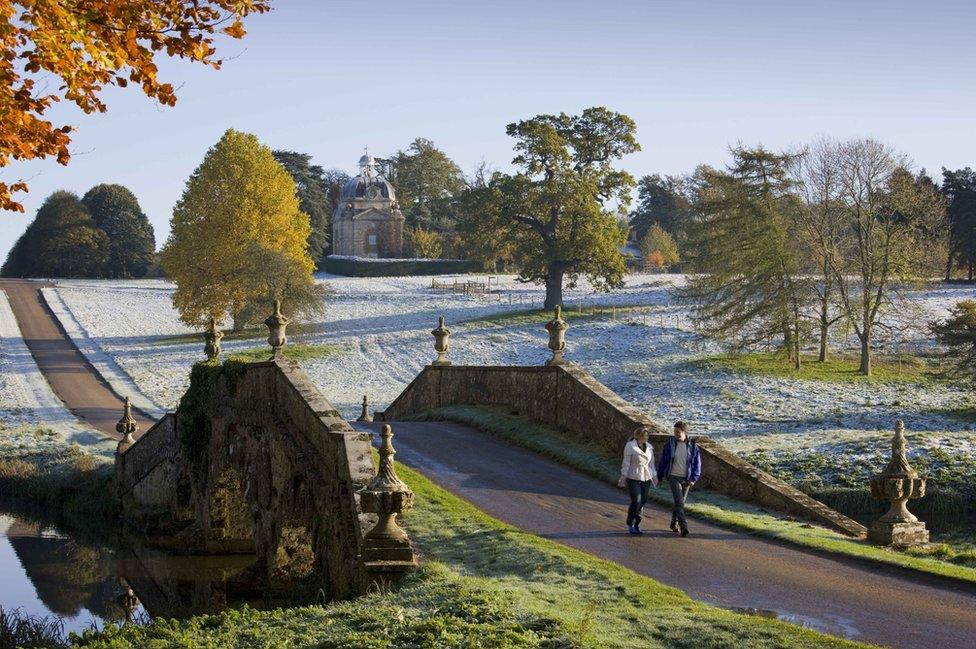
(367, 221)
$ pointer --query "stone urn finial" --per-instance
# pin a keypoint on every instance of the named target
(364, 415)
(126, 427)
(557, 337)
(898, 483)
(386, 546)
(441, 345)
(276, 324)
(127, 600)
(212, 336)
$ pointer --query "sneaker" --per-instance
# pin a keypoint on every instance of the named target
(637, 529)
(674, 525)
(684, 532)
(633, 529)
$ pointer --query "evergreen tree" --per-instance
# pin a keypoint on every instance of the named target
(959, 188)
(661, 201)
(62, 241)
(132, 243)
(749, 288)
(957, 334)
(427, 183)
(238, 237)
(313, 198)
(550, 216)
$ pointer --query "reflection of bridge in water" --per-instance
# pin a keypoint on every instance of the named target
(82, 580)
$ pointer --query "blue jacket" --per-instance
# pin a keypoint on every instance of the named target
(667, 455)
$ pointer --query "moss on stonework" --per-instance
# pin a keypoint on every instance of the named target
(199, 402)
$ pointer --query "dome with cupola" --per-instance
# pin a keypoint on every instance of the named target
(368, 184)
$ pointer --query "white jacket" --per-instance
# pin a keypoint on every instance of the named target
(638, 464)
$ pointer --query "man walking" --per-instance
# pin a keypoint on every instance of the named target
(681, 466)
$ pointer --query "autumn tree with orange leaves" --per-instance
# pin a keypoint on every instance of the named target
(86, 45)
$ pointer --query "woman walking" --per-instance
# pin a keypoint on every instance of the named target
(637, 474)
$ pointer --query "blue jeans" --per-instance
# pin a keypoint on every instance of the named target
(638, 490)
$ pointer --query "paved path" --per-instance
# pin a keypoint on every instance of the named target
(67, 371)
(849, 598)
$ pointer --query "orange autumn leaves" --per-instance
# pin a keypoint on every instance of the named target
(73, 49)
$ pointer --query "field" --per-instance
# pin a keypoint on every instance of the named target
(639, 340)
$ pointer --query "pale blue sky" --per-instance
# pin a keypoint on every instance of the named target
(328, 77)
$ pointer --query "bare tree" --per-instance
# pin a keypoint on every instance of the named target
(887, 217)
(819, 226)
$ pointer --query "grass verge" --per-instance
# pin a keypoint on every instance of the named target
(837, 369)
(711, 506)
(484, 584)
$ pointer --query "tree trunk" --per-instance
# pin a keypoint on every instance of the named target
(240, 322)
(865, 368)
(824, 330)
(554, 286)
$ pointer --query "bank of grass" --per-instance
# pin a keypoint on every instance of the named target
(570, 313)
(37, 468)
(295, 352)
(725, 511)
(838, 368)
(483, 584)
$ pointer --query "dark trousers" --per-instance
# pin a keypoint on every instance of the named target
(638, 490)
(679, 491)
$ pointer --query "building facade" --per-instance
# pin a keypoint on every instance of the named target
(367, 221)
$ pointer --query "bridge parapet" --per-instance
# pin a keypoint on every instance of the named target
(567, 398)
(256, 459)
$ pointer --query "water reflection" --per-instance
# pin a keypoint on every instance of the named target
(86, 582)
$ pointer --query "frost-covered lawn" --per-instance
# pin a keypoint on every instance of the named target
(33, 420)
(649, 355)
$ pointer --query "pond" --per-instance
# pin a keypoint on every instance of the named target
(87, 583)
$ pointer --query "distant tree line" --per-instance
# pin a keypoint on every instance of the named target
(103, 234)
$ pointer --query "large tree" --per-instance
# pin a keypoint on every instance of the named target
(61, 241)
(959, 188)
(313, 198)
(238, 237)
(552, 215)
(890, 221)
(427, 182)
(131, 241)
(748, 288)
(73, 49)
(818, 228)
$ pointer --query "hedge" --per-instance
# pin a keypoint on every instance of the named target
(357, 267)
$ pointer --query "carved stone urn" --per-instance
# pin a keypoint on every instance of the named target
(386, 548)
(364, 415)
(276, 324)
(898, 483)
(126, 427)
(557, 337)
(441, 345)
(212, 336)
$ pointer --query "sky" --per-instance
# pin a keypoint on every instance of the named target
(330, 77)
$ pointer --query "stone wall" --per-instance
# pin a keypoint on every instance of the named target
(568, 399)
(276, 471)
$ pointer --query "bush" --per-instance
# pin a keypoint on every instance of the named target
(360, 267)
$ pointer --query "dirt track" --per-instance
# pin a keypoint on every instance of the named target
(67, 371)
(862, 601)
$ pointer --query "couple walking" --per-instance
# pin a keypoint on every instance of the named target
(680, 466)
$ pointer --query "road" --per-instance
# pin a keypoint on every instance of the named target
(858, 600)
(70, 375)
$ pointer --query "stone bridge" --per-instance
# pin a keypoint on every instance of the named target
(256, 460)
